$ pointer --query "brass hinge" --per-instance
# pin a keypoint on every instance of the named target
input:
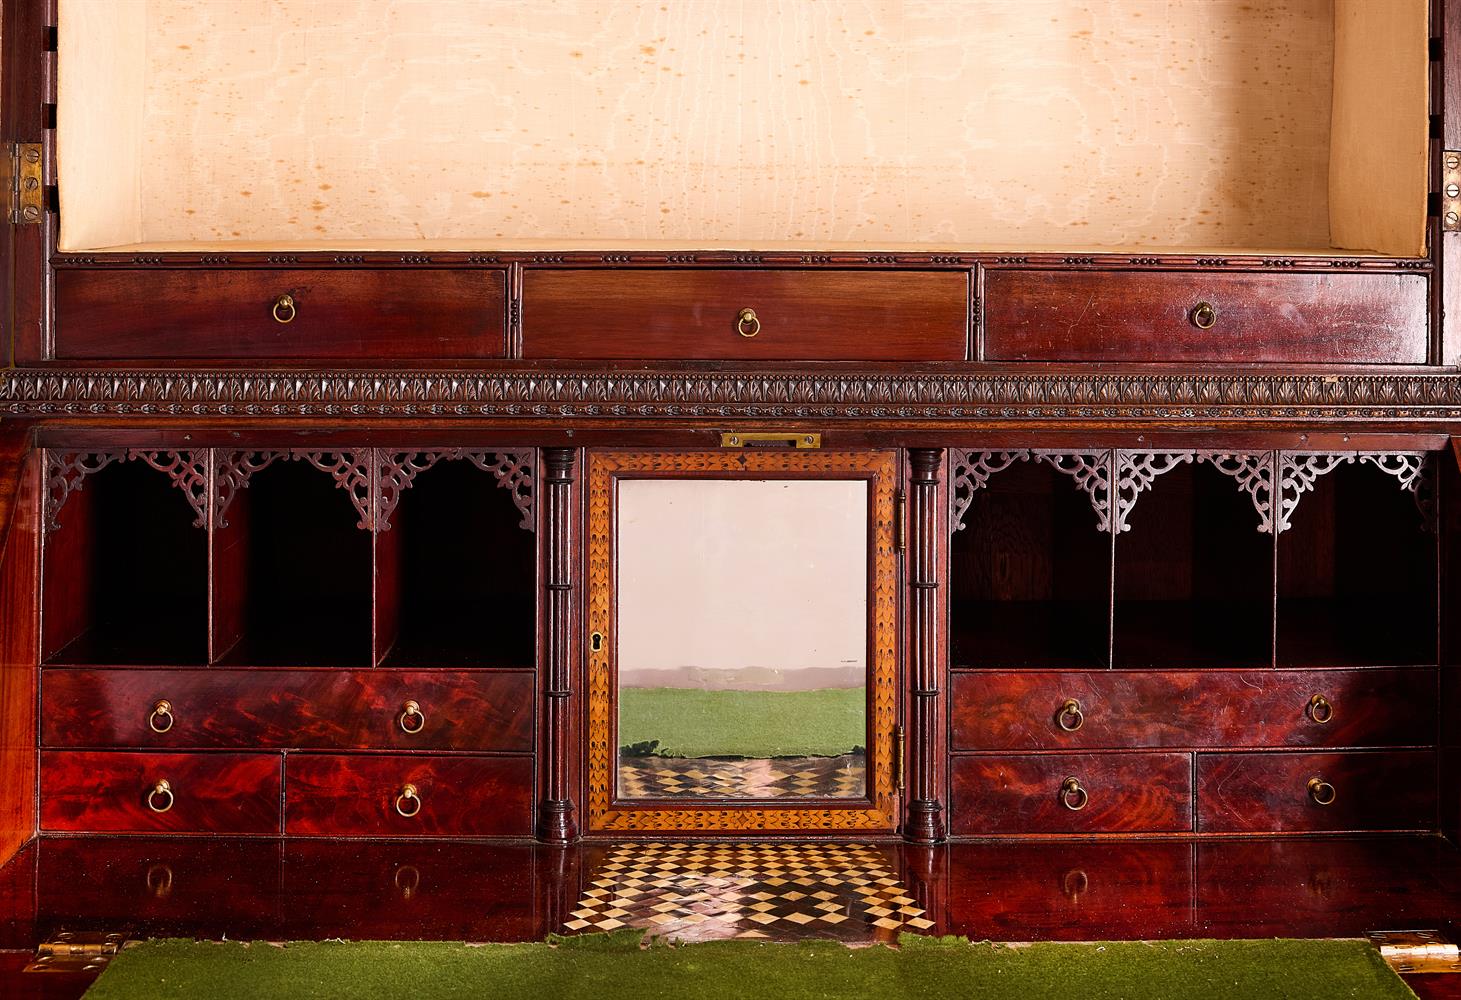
(25, 194)
(900, 521)
(82, 951)
(769, 439)
(898, 757)
(1451, 191)
(1417, 951)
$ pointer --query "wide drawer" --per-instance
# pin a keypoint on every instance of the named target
(1262, 792)
(1109, 709)
(1155, 316)
(799, 315)
(366, 314)
(113, 792)
(1112, 793)
(402, 795)
(328, 709)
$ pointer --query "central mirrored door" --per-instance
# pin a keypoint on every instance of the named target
(741, 655)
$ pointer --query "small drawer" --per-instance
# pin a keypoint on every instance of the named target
(404, 795)
(113, 792)
(385, 315)
(1071, 793)
(1269, 792)
(327, 709)
(1117, 709)
(1180, 316)
(791, 315)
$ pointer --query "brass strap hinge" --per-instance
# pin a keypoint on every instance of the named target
(898, 778)
(900, 521)
(26, 194)
(1451, 191)
(82, 951)
(1417, 951)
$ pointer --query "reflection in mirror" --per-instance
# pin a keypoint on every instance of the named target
(742, 638)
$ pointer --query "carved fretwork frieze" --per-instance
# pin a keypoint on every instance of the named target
(66, 472)
(1137, 470)
(1091, 473)
(232, 472)
(351, 472)
(188, 471)
(1253, 474)
(970, 471)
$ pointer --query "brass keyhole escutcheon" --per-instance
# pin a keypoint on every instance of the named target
(1072, 795)
(161, 719)
(747, 324)
(596, 642)
(1319, 709)
(161, 798)
(1070, 717)
(1321, 791)
(408, 803)
(411, 720)
(1203, 316)
(284, 309)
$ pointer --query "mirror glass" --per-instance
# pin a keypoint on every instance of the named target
(742, 638)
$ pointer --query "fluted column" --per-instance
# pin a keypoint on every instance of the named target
(923, 819)
(556, 821)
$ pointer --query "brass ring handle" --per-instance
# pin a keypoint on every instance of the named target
(409, 796)
(1319, 709)
(747, 323)
(1072, 795)
(1203, 316)
(1321, 791)
(1070, 717)
(284, 309)
(409, 711)
(161, 719)
(161, 792)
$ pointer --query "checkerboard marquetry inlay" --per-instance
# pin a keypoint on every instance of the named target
(770, 891)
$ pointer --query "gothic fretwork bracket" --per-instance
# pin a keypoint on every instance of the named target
(1254, 474)
(351, 472)
(66, 472)
(1089, 470)
(397, 470)
(188, 471)
(232, 472)
(1413, 472)
(1135, 472)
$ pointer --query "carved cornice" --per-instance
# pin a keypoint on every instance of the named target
(979, 395)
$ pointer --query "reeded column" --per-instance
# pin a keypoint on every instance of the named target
(923, 819)
(556, 821)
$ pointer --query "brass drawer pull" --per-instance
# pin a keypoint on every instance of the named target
(1070, 717)
(411, 720)
(747, 324)
(408, 803)
(284, 309)
(1321, 791)
(1319, 710)
(161, 720)
(1072, 795)
(1203, 316)
(161, 798)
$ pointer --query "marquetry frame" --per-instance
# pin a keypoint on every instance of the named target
(607, 813)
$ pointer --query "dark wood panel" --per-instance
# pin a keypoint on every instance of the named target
(1146, 316)
(20, 542)
(1123, 793)
(692, 314)
(108, 792)
(379, 314)
(362, 796)
(1023, 710)
(321, 709)
(1261, 792)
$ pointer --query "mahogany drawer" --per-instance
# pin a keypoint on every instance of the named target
(692, 314)
(367, 314)
(367, 794)
(328, 709)
(1262, 792)
(1024, 710)
(1033, 315)
(110, 792)
(1117, 793)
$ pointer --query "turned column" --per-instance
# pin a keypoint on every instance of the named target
(556, 821)
(923, 819)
